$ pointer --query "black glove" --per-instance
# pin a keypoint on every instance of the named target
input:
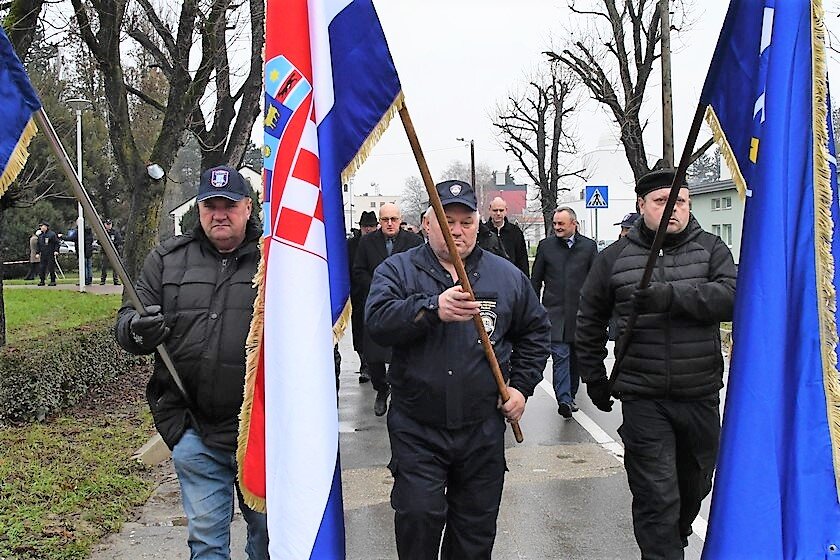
(656, 298)
(149, 329)
(599, 393)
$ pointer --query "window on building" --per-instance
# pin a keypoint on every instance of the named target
(716, 229)
(726, 234)
(373, 205)
(726, 202)
(715, 204)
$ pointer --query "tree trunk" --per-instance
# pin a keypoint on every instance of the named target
(20, 24)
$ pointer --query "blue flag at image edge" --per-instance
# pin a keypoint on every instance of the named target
(776, 492)
(18, 101)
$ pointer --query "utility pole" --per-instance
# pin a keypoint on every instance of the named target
(667, 104)
(479, 195)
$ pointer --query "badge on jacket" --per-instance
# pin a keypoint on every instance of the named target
(488, 314)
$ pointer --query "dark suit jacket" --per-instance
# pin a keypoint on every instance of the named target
(562, 271)
(370, 253)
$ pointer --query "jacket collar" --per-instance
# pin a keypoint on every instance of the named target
(253, 232)
(426, 259)
(640, 234)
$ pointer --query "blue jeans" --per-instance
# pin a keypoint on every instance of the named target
(208, 476)
(564, 371)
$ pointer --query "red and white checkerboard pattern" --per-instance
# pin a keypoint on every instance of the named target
(300, 216)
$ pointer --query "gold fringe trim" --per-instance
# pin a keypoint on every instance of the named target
(255, 336)
(252, 358)
(824, 227)
(726, 151)
(19, 156)
(373, 138)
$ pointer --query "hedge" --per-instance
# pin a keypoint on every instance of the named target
(41, 376)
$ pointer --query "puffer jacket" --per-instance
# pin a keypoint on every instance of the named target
(675, 354)
(439, 374)
(207, 300)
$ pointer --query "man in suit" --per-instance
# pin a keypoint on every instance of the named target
(367, 224)
(374, 248)
(563, 260)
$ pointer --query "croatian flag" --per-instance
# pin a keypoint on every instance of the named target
(330, 90)
(776, 487)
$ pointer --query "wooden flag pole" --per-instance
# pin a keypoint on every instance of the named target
(434, 200)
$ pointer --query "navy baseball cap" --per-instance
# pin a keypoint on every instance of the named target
(628, 220)
(222, 181)
(454, 191)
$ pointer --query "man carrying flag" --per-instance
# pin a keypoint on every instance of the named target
(672, 369)
(197, 293)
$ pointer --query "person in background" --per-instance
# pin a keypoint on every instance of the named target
(367, 224)
(88, 254)
(117, 240)
(626, 223)
(34, 256)
(48, 248)
(513, 241)
(561, 265)
(374, 248)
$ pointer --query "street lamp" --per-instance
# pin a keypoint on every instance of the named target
(79, 105)
(472, 167)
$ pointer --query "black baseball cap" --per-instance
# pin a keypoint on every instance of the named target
(222, 181)
(454, 191)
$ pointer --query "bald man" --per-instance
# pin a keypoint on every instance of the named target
(374, 248)
(513, 241)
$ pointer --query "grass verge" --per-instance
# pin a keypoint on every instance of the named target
(69, 481)
(31, 313)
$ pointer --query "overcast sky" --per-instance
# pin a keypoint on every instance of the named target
(458, 58)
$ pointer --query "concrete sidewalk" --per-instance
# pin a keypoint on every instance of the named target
(94, 288)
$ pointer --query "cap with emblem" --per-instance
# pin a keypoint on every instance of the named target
(222, 181)
(368, 219)
(454, 191)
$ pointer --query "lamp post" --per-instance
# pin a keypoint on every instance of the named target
(78, 105)
(472, 168)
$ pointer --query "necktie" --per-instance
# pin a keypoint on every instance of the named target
(389, 245)
(570, 241)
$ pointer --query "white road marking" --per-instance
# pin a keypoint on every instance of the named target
(603, 439)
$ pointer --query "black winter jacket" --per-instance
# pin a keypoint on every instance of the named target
(513, 242)
(439, 374)
(207, 299)
(674, 355)
(562, 271)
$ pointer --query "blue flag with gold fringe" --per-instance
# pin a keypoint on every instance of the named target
(18, 101)
(776, 487)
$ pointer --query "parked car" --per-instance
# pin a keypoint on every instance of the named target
(67, 247)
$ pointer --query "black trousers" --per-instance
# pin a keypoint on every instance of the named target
(446, 478)
(378, 376)
(47, 267)
(670, 449)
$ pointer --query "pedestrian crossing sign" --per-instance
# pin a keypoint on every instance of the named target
(597, 196)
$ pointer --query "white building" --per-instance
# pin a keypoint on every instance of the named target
(605, 165)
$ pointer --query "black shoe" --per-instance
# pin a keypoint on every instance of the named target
(116, 282)
(41, 284)
(51, 284)
(364, 377)
(380, 406)
(102, 282)
(574, 406)
(564, 409)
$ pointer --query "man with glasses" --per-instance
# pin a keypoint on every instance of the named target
(672, 369)
(374, 248)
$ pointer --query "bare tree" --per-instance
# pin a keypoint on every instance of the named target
(614, 58)
(534, 128)
(414, 200)
(102, 24)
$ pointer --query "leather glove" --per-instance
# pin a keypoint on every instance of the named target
(656, 298)
(149, 329)
(599, 393)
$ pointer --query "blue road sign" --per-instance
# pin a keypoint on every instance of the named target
(597, 196)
